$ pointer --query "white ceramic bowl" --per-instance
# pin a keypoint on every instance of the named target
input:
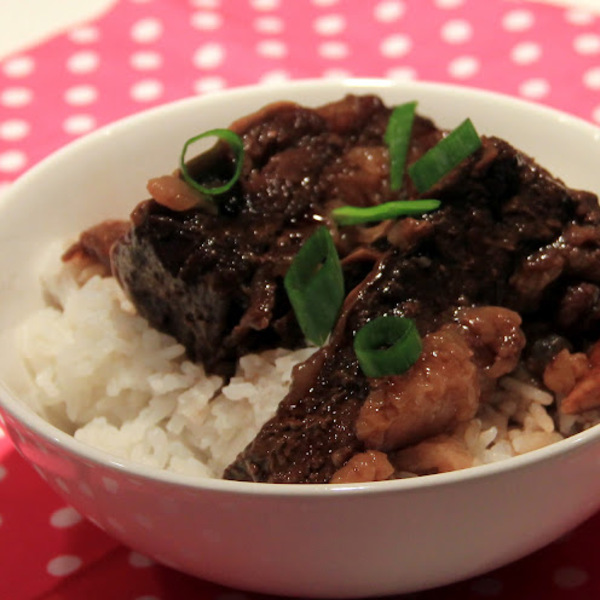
(302, 540)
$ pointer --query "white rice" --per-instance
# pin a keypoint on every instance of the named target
(105, 376)
(102, 374)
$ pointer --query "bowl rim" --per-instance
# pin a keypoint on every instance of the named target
(37, 425)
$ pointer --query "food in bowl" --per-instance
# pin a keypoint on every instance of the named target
(176, 339)
(306, 540)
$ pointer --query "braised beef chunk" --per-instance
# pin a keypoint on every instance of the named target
(95, 244)
(214, 281)
(312, 434)
(507, 269)
(507, 235)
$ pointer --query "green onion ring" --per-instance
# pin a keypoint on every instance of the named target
(445, 156)
(236, 144)
(315, 286)
(354, 215)
(397, 137)
(387, 345)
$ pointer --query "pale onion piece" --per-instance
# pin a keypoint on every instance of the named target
(176, 194)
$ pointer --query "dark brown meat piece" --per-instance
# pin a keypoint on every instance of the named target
(507, 234)
(499, 211)
(312, 434)
(444, 387)
(95, 244)
(214, 281)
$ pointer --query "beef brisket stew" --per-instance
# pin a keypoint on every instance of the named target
(506, 270)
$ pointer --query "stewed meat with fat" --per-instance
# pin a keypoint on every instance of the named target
(506, 270)
(214, 281)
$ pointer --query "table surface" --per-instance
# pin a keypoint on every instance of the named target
(88, 64)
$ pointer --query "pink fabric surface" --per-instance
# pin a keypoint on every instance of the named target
(148, 52)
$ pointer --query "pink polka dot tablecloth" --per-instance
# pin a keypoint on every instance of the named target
(143, 53)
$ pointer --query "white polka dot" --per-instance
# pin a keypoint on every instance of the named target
(63, 565)
(110, 485)
(62, 484)
(12, 161)
(591, 78)
(65, 517)
(457, 31)
(402, 74)
(463, 67)
(145, 60)
(534, 88)
(83, 62)
(333, 50)
(16, 97)
(596, 114)
(145, 521)
(209, 84)
(81, 95)
(20, 66)
(206, 3)
(146, 91)
(337, 74)
(146, 30)
(84, 487)
(139, 561)
(518, 20)
(486, 586)
(77, 125)
(264, 4)
(209, 56)
(3, 472)
(388, 11)
(206, 21)
(526, 53)
(330, 24)
(272, 48)
(588, 43)
(269, 24)
(569, 578)
(395, 46)
(277, 76)
(578, 16)
(449, 4)
(84, 35)
(324, 2)
(12, 130)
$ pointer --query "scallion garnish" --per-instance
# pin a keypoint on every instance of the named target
(236, 144)
(397, 137)
(387, 345)
(315, 286)
(446, 155)
(354, 215)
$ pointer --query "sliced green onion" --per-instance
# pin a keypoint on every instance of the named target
(387, 345)
(236, 144)
(445, 156)
(397, 137)
(354, 215)
(315, 286)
